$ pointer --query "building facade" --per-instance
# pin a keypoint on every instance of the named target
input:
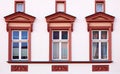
(59, 36)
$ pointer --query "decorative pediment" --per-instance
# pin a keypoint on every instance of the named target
(60, 20)
(19, 17)
(60, 17)
(100, 20)
(19, 20)
(100, 17)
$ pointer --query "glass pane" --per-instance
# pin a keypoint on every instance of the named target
(19, 7)
(24, 48)
(60, 7)
(95, 49)
(64, 35)
(64, 50)
(103, 34)
(24, 35)
(56, 35)
(15, 50)
(99, 7)
(15, 34)
(55, 50)
(95, 34)
(104, 50)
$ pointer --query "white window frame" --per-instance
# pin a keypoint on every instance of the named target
(97, 9)
(20, 40)
(60, 40)
(100, 41)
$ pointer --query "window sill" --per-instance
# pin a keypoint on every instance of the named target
(58, 62)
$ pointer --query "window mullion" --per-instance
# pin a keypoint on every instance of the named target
(20, 45)
(99, 44)
(60, 44)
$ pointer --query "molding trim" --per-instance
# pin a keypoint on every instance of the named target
(58, 62)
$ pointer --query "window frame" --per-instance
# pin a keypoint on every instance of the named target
(60, 41)
(63, 2)
(20, 41)
(100, 2)
(20, 2)
(100, 40)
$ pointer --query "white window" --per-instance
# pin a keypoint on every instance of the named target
(60, 7)
(100, 45)
(99, 7)
(19, 45)
(60, 45)
(19, 7)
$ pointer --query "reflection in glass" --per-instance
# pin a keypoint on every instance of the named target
(15, 34)
(95, 50)
(55, 50)
(64, 50)
(24, 48)
(19, 7)
(15, 50)
(104, 50)
(24, 34)
(99, 7)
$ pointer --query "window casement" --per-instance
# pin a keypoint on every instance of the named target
(60, 36)
(19, 36)
(19, 45)
(60, 50)
(19, 6)
(100, 45)
(100, 27)
(60, 6)
(100, 6)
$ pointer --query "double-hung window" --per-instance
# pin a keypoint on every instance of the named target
(60, 45)
(99, 45)
(19, 45)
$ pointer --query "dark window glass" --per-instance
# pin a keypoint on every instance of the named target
(95, 34)
(103, 34)
(56, 35)
(64, 35)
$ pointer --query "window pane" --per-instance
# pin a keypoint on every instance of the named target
(56, 35)
(104, 50)
(95, 34)
(15, 34)
(55, 50)
(24, 35)
(99, 7)
(24, 48)
(19, 7)
(60, 7)
(15, 50)
(95, 49)
(64, 50)
(64, 35)
(103, 34)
